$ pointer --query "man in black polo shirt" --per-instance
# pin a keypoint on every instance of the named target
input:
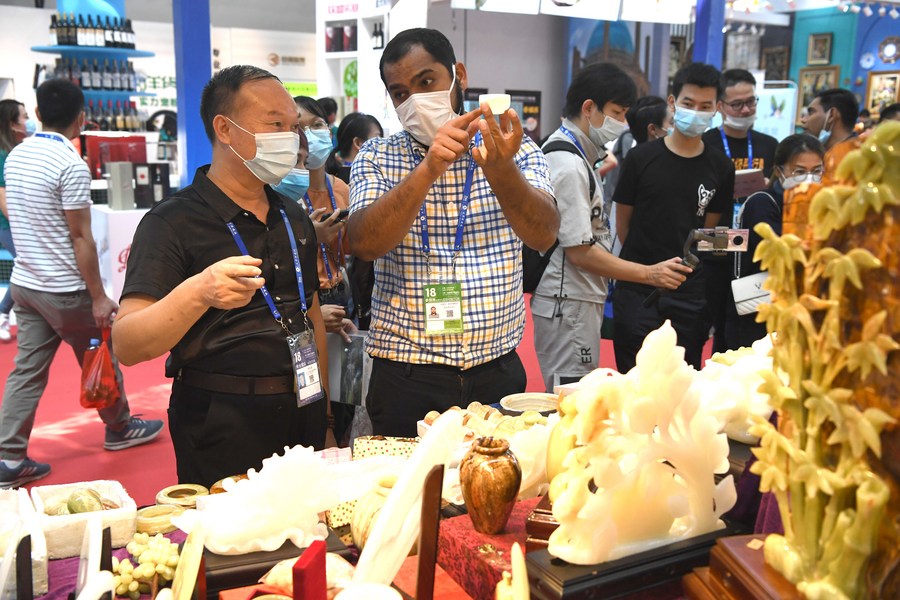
(747, 149)
(211, 277)
(667, 188)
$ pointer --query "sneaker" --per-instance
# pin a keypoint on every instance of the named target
(5, 335)
(28, 470)
(136, 432)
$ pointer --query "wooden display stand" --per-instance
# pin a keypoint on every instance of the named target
(737, 571)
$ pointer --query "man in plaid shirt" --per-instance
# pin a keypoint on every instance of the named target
(443, 207)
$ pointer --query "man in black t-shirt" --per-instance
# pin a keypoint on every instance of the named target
(194, 287)
(747, 149)
(668, 188)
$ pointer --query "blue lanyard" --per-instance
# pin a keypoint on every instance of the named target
(574, 139)
(49, 136)
(297, 269)
(463, 208)
(749, 147)
(322, 247)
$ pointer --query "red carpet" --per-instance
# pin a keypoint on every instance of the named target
(70, 438)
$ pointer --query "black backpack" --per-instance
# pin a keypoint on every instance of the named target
(533, 262)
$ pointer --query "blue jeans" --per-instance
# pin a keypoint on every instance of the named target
(6, 241)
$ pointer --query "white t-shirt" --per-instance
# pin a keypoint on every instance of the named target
(45, 177)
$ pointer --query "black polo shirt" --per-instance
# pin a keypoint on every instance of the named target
(186, 233)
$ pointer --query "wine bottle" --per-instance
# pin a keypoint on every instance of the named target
(80, 32)
(120, 117)
(85, 75)
(132, 41)
(75, 72)
(53, 40)
(107, 75)
(89, 36)
(73, 30)
(96, 76)
(111, 115)
(102, 118)
(116, 76)
(89, 112)
(132, 83)
(64, 30)
(117, 33)
(108, 35)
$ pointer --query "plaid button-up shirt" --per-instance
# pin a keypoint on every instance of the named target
(489, 266)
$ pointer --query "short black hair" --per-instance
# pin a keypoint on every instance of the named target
(602, 83)
(311, 105)
(220, 91)
(842, 100)
(59, 102)
(699, 74)
(432, 41)
(795, 144)
(732, 77)
(647, 110)
(890, 112)
(328, 105)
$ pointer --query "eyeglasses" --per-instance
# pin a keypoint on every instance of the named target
(800, 172)
(318, 126)
(739, 104)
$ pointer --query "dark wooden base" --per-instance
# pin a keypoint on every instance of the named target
(554, 579)
(737, 571)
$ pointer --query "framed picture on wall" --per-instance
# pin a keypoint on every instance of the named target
(813, 80)
(883, 90)
(819, 51)
(775, 62)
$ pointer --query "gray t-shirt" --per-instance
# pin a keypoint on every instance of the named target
(582, 221)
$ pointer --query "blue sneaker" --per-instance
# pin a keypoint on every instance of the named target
(136, 432)
(28, 470)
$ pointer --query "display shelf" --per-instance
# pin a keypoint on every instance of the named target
(93, 51)
(114, 94)
(341, 55)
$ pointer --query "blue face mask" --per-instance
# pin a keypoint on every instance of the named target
(30, 127)
(692, 123)
(825, 134)
(319, 147)
(294, 185)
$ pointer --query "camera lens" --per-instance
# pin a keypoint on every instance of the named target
(738, 240)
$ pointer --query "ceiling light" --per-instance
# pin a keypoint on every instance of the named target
(854, 8)
(742, 28)
(867, 10)
(894, 14)
(844, 7)
(762, 30)
(727, 28)
(754, 30)
(882, 10)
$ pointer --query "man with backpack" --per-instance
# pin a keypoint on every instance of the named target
(567, 305)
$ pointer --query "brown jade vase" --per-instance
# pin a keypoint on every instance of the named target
(490, 477)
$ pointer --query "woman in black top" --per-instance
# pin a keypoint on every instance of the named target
(799, 159)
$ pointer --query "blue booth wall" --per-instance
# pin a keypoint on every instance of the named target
(870, 33)
(844, 28)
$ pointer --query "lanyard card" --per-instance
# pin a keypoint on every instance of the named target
(443, 308)
(307, 382)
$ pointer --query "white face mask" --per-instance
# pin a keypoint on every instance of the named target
(739, 123)
(791, 182)
(423, 114)
(606, 133)
(276, 154)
